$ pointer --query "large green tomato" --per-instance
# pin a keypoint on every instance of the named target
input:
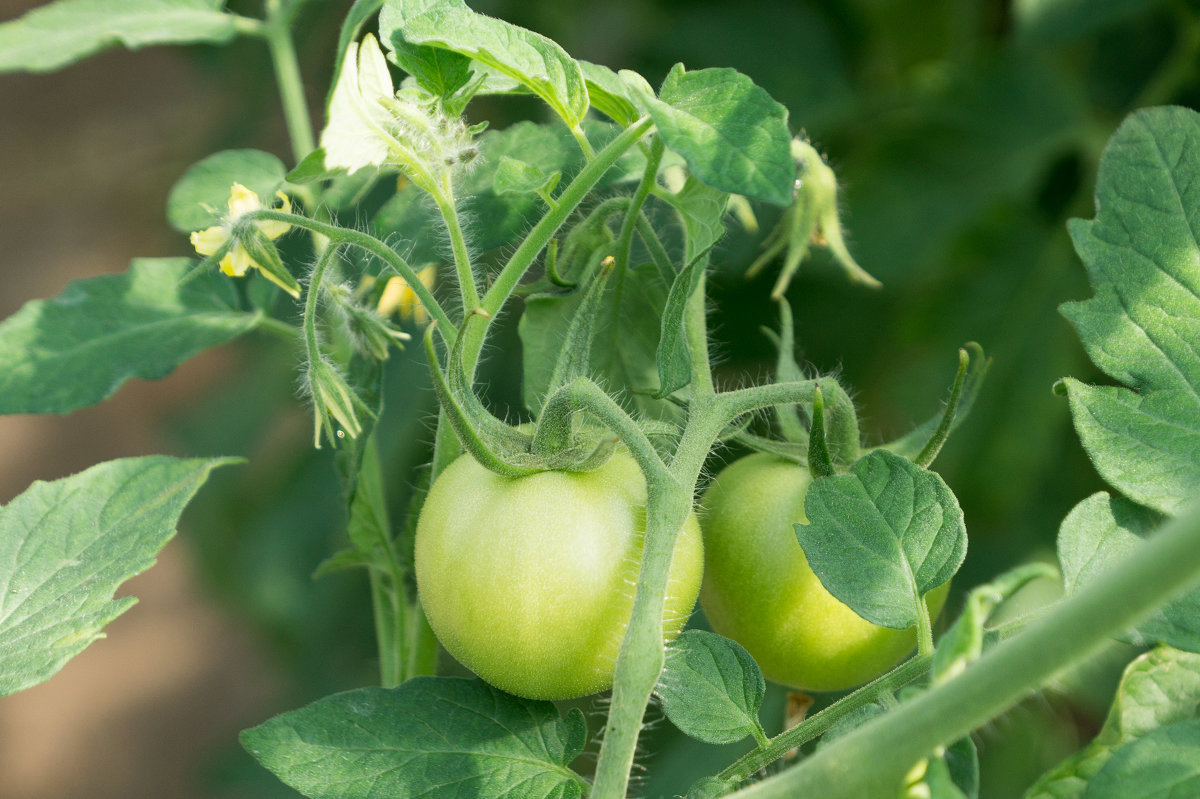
(529, 582)
(759, 590)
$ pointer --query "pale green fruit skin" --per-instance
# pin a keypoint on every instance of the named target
(529, 582)
(759, 590)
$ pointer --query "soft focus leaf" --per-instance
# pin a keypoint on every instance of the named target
(72, 351)
(1099, 534)
(1159, 688)
(200, 198)
(1163, 764)
(66, 546)
(432, 737)
(61, 33)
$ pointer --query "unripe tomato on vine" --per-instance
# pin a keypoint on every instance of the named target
(759, 590)
(529, 581)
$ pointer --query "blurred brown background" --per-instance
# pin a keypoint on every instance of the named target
(87, 156)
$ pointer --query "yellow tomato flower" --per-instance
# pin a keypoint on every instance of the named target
(398, 297)
(237, 260)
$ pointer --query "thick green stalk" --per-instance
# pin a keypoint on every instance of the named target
(872, 760)
(287, 77)
(642, 654)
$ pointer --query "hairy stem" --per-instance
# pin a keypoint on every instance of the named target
(695, 322)
(816, 725)
(642, 654)
(872, 760)
(634, 211)
(545, 229)
(353, 238)
(458, 244)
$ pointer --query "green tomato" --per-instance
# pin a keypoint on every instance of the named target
(759, 590)
(529, 582)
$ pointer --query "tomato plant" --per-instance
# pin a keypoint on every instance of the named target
(759, 590)
(556, 553)
(529, 581)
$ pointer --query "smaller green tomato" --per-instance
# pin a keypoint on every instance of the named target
(529, 582)
(759, 590)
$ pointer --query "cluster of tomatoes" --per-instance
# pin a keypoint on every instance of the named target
(529, 582)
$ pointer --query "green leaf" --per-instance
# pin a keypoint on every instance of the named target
(882, 536)
(623, 348)
(1146, 445)
(607, 94)
(954, 774)
(66, 546)
(732, 134)
(440, 72)
(674, 358)
(526, 57)
(439, 738)
(519, 177)
(61, 33)
(200, 198)
(711, 688)
(1143, 260)
(1099, 534)
(702, 209)
(1159, 688)
(63, 354)
(1163, 764)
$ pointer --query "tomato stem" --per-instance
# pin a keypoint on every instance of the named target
(816, 725)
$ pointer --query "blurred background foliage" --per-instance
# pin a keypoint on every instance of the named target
(964, 135)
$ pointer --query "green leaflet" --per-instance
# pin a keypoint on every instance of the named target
(1163, 764)
(732, 134)
(61, 33)
(528, 58)
(882, 535)
(440, 72)
(1159, 688)
(66, 546)
(1141, 327)
(102, 331)
(623, 346)
(434, 737)
(607, 93)
(201, 197)
(702, 209)
(1099, 534)
(711, 688)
